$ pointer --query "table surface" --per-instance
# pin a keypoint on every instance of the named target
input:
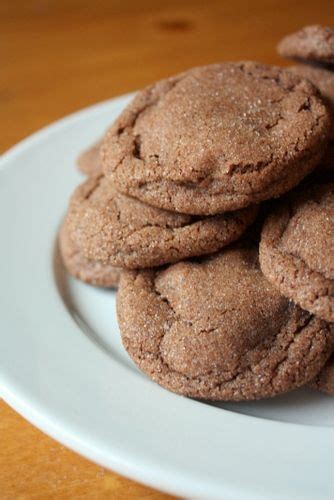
(61, 55)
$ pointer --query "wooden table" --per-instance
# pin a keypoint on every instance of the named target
(58, 56)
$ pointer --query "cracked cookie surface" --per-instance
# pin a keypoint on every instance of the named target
(323, 79)
(217, 138)
(88, 161)
(87, 270)
(215, 328)
(297, 249)
(118, 230)
(311, 43)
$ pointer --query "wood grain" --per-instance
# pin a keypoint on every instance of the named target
(58, 56)
(34, 466)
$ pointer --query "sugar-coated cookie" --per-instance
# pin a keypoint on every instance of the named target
(217, 138)
(215, 328)
(297, 248)
(87, 270)
(118, 230)
(312, 43)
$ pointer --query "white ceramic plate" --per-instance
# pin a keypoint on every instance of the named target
(63, 367)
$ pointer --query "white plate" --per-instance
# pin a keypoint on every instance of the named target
(63, 367)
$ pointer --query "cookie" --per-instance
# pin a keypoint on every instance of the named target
(217, 138)
(89, 160)
(121, 231)
(312, 43)
(215, 328)
(323, 79)
(297, 249)
(324, 381)
(87, 270)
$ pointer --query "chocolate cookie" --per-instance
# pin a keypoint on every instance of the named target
(217, 138)
(312, 43)
(89, 160)
(324, 381)
(87, 270)
(323, 79)
(215, 328)
(121, 231)
(297, 249)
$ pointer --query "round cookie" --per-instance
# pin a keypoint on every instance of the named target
(89, 160)
(215, 328)
(297, 249)
(323, 79)
(87, 270)
(121, 231)
(217, 138)
(312, 43)
(324, 381)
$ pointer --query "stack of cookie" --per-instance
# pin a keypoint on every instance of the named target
(169, 206)
(313, 48)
